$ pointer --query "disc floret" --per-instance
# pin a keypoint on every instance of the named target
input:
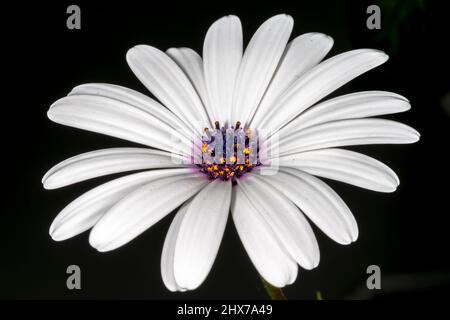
(228, 153)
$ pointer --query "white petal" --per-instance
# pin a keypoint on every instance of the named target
(222, 54)
(164, 78)
(271, 261)
(136, 99)
(200, 234)
(319, 82)
(107, 161)
(348, 133)
(350, 106)
(289, 225)
(301, 54)
(118, 119)
(142, 208)
(168, 252)
(346, 166)
(192, 64)
(258, 65)
(318, 201)
(82, 213)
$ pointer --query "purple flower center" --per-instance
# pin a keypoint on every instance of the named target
(228, 153)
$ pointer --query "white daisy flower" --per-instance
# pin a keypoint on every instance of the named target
(276, 84)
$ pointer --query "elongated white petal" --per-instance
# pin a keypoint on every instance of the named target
(301, 54)
(142, 208)
(107, 161)
(348, 133)
(318, 201)
(350, 106)
(319, 82)
(168, 252)
(289, 225)
(271, 261)
(192, 64)
(137, 100)
(258, 65)
(82, 213)
(222, 54)
(118, 119)
(346, 166)
(200, 234)
(164, 78)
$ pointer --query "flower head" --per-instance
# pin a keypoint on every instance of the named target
(232, 129)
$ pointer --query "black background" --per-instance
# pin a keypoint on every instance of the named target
(405, 233)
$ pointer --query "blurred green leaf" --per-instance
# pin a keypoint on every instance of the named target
(319, 295)
(396, 15)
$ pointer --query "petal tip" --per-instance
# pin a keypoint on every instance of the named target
(172, 51)
(50, 113)
(47, 186)
(415, 137)
(282, 16)
(231, 18)
(316, 260)
(93, 241)
(99, 242)
(56, 234)
(347, 238)
(406, 106)
(47, 181)
(381, 55)
(310, 265)
(355, 235)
